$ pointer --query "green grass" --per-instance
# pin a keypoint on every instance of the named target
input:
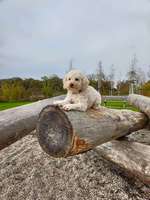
(120, 104)
(109, 103)
(7, 105)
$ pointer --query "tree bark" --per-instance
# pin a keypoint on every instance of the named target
(131, 156)
(18, 122)
(141, 102)
(63, 134)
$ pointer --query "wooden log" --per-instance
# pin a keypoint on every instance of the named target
(131, 156)
(63, 134)
(141, 102)
(18, 122)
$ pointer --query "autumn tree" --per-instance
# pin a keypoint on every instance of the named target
(52, 86)
(123, 87)
(12, 91)
(146, 89)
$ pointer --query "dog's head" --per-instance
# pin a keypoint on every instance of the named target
(75, 81)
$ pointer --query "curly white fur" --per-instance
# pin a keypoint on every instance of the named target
(80, 95)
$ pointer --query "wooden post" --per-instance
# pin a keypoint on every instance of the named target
(18, 122)
(63, 134)
(141, 102)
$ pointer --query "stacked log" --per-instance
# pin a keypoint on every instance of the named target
(133, 157)
(63, 134)
(17, 122)
(141, 102)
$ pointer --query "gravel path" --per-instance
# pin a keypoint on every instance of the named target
(26, 172)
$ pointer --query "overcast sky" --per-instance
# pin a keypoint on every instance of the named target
(39, 37)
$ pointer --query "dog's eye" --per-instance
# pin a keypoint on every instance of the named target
(76, 79)
(69, 79)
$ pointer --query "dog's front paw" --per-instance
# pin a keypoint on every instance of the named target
(58, 103)
(67, 107)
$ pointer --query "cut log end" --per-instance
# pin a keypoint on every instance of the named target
(54, 131)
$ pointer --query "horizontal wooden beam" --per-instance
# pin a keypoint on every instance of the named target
(123, 98)
(18, 122)
(131, 156)
(63, 134)
(141, 102)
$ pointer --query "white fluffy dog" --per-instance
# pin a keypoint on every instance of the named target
(80, 95)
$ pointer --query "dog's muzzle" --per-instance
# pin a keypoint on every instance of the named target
(71, 85)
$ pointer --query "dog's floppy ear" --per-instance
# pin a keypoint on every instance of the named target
(85, 83)
(65, 82)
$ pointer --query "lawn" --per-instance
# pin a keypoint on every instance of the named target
(109, 103)
(118, 104)
(7, 105)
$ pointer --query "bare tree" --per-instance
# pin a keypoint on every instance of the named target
(148, 74)
(70, 65)
(92, 76)
(111, 78)
(119, 83)
(100, 75)
(132, 74)
(141, 77)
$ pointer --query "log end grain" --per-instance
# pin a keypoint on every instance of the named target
(54, 131)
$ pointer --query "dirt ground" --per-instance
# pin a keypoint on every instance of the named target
(26, 172)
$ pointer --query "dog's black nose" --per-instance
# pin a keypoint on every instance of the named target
(71, 85)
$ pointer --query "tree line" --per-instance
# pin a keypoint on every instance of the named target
(18, 89)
